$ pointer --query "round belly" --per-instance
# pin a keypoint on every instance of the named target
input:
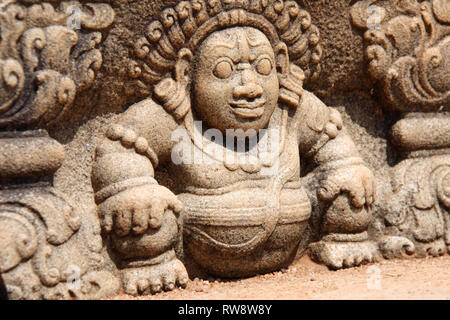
(240, 233)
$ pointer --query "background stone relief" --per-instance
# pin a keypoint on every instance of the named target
(382, 81)
(408, 53)
(45, 62)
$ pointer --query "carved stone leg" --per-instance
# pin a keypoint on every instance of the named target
(148, 263)
(345, 240)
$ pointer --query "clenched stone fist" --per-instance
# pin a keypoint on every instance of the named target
(137, 209)
(358, 181)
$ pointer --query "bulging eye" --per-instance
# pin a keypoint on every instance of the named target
(223, 69)
(264, 66)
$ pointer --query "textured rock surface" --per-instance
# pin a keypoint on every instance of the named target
(380, 66)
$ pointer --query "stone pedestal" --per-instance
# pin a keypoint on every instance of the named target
(421, 182)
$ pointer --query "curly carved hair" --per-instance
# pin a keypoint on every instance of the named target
(188, 23)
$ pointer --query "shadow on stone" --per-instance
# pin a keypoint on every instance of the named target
(3, 293)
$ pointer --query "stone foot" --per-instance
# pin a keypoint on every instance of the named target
(434, 248)
(154, 278)
(338, 255)
(396, 247)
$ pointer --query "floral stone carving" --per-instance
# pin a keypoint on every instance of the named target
(210, 67)
(408, 49)
(44, 63)
(260, 169)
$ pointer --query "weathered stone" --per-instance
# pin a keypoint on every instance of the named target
(127, 107)
(408, 52)
(245, 212)
(45, 61)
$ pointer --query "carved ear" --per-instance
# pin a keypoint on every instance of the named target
(171, 93)
(282, 59)
(182, 66)
(290, 76)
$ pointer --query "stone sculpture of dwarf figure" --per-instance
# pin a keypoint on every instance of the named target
(231, 72)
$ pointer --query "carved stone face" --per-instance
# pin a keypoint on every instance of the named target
(235, 81)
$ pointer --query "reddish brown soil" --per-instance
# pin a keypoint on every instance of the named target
(399, 279)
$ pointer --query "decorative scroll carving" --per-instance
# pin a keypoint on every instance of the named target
(35, 225)
(48, 54)
(44, 61)
(420, 204)
(408, 49)
(40, 219)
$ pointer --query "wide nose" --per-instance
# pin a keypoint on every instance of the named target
(248, 89)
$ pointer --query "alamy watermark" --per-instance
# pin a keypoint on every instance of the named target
(374, 279)
(73, 21)
(73, 273)
(235, 147)
(376, 16)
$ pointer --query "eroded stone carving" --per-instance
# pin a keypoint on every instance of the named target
(409, 53)
(44, 62)
(239, 203)
(422, 184)
(210, 67)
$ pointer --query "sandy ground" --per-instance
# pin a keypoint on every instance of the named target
(390, 279)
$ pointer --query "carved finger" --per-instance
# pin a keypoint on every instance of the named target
(357, 195)
(122, 223)
(140, 220)
(107, 221)
(328, 190)
(175, 205)
(368, 187)
(156, 213)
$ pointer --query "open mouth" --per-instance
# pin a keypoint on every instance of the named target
(248, 108)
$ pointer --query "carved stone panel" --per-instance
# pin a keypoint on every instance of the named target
(408, 53)
(48, 54)
(144, 143)
(407, 47)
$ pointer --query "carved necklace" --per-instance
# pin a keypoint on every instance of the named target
(233, 160)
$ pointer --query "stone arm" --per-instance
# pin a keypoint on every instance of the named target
(325, 143)
(345, 188)
(123, 171)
